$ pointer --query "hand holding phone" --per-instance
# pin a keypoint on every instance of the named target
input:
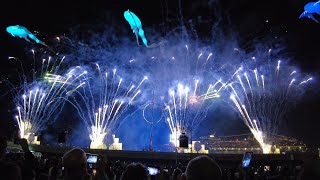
(247, 157)
(92, 160)
(152, 171)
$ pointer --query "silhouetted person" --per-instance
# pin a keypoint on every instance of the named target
(101, 169)
(75, 165)
(202, 167)
(29, 162)
(3, 147)
(164, 175)
(109, 171)
(8, 170)
(311, 169)
(175, 174)
(135, 171)
(54, 173)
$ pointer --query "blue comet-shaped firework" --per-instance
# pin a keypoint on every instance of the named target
(309, 9)
(136, 26)
(23, 32)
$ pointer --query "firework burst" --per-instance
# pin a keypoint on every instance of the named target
(40, 99)
(193, 83)
(188, 107)
(263, 96)
(101, 102)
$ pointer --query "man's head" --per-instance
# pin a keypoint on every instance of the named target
(176, 173)
(75, 162)
(202, 167)
(135, 171)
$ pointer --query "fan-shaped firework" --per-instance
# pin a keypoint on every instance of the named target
(102, 101)
(187, 107)
(192, 81)
(40, 100)
(263, 96)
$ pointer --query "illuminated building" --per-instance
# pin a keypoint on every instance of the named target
(116, 145)
(246, 142)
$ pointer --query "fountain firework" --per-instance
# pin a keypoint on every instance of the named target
(103, 115)
(193, 82)
(187, 108)
(43, 97)
(263, 96)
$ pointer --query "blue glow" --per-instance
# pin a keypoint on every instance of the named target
(136, 26)
(22, 32)
(309, 9)
(246, 160)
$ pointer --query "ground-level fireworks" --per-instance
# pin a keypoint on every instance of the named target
(263, 96)
(102, 101)
(39, 101)
(186, 107)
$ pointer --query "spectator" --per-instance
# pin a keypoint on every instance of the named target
(176, 173)
(3, 147)
(54, 173)
(135, 171)
(101, 169)
(311, 169)
(29, 162)
(9, 170)
(202, 167)
(164, 175)
(109, 171)
(75, 165)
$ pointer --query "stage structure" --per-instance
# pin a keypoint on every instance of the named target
(116, 145)
(149, 118)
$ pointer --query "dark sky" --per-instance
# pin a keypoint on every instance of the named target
(248, 18)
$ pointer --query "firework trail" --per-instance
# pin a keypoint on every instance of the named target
(40, 98)
(263, 96)
(194, 81)
(101, 102)
(187, 107)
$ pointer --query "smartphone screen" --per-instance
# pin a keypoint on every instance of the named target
(246, 159)
(92, 158)
(152, 171)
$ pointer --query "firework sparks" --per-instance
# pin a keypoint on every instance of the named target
(263, 99)
(102, 115)
(187, 109)
(41, 101)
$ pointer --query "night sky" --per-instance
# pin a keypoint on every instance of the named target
(251, 19)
